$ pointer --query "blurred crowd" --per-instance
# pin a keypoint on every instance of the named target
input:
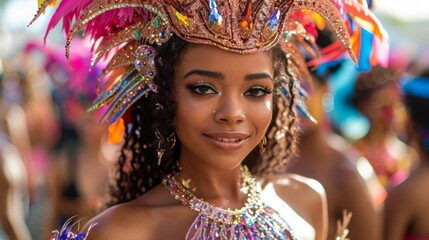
(54, 156)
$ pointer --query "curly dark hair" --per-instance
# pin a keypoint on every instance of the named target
(367, 83)
(417, 108)
(137, 170)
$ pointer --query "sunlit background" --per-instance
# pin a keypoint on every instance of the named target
(407, 24)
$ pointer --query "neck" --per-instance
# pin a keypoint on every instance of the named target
(377, 132)
(218, 186)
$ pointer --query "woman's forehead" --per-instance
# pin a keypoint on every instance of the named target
(215, 59)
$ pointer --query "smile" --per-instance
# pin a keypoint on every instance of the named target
(226, 141)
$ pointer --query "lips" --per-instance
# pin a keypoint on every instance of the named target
(226, 141)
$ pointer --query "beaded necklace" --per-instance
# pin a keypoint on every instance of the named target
(255, 220)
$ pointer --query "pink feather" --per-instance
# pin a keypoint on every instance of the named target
(102, 25)
(67, 11)
(78, 79)
(340, 5)
(111, 20)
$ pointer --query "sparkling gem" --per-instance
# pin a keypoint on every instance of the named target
(232, 224)
(236, 219)
(136, 35)
(287, 36)
(273, 20)
(215, 18)
(156, 22)
(246, 21)
(183, 20)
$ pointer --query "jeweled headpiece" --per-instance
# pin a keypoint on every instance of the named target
(130, 29)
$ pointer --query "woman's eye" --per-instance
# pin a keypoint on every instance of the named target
(202, 88)
(258, 92)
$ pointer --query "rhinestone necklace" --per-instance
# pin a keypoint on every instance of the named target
(255, 220)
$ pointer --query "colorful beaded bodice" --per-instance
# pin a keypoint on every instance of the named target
(255, 220)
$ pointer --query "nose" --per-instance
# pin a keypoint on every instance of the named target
(229, 110)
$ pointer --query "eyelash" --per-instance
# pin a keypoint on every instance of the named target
(256, 91)
(259, 90)
(197, 87)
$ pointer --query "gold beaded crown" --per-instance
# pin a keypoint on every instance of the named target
(130, 29)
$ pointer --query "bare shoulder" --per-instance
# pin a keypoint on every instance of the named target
(406, 193)
(119, 222)
(294, 184)
(345, 175)
(305, 196)
(137, 219)
(348, 173)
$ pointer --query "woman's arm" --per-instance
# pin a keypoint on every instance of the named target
(11, 209)
(353, 196)
(397, 214)
(318, 208)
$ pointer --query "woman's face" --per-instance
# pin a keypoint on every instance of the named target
(224, 104)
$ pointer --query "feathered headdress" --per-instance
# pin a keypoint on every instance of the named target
(128, 30)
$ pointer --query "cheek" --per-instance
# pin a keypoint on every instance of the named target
(190, 114)
(261, 114)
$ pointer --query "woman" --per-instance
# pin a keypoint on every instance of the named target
(78, 168)
(406, 213)
(376, 96)
(222, 111)
(326, 158)
(208, 95)
(13, 174)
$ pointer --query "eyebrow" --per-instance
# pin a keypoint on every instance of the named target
(220, 76)
(255, 76)
(216, 75)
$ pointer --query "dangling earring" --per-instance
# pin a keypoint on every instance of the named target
(171, 140)
(262, 145)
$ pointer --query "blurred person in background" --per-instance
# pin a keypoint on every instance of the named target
(13, 176)
(80, 158)
(377, 97)
(406, 214)
(34, 129)
(12, 197)
(331, 161)
(350, 182)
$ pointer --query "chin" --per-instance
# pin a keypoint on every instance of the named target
(227, 162)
